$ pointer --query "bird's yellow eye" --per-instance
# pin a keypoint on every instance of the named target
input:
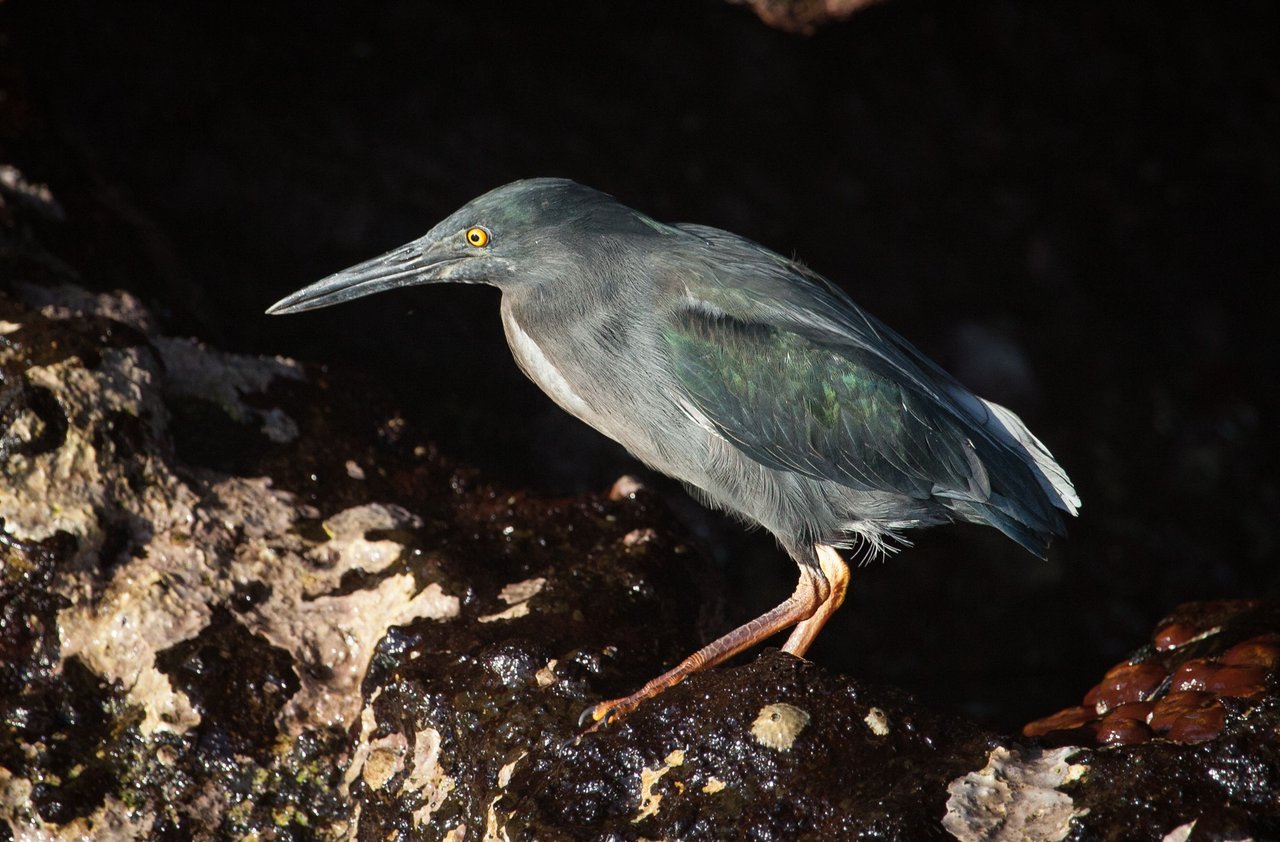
(478, 237)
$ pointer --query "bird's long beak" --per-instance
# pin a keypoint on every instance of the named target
(410, 264)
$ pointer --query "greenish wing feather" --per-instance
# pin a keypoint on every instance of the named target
(826, 410)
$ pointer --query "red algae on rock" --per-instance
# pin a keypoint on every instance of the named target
(1262, 651)
(1174, 691)
(1125, 683)
(1121, 730)
(1195, 621)
(1175, 706)
(1064, 720)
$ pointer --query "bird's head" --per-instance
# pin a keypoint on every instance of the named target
(524, 232)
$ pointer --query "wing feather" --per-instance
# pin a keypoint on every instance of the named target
(787, 367)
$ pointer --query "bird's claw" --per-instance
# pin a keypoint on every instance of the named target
(604, 715)
(589, 718)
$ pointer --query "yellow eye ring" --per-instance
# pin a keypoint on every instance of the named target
(477, 237)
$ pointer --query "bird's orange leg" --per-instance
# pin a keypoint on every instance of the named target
(812, 592)
(837, 573)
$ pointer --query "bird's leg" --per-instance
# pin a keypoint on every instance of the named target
(837, 573)
(810, 594)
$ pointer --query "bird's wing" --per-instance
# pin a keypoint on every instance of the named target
(799, 378)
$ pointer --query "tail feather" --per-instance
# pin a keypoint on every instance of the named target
(1053, 479)
(1030, 494)
(1000, 514)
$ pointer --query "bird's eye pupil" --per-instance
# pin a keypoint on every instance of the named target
(477, 236)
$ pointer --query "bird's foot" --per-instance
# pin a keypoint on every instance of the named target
(817, 588)
(606, 714)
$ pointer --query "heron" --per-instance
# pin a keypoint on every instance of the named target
(750, 378)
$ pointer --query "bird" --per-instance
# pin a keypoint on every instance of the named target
(750, 378)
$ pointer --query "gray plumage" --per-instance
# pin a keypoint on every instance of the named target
(743, 374)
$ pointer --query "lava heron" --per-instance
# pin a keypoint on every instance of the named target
(749, 378)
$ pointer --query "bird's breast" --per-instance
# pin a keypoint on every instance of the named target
(539, 368)
(610, 383)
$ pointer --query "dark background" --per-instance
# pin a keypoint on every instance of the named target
(1074, 207)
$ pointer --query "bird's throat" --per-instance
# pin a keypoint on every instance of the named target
(540, 368)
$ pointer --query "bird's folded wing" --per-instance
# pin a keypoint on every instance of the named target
(800, 378)
(830, 411)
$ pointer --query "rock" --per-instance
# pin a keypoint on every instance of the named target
(1015, 796)
(195, 583)
(235, 602)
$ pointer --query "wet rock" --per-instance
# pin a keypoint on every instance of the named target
(142, 690)
(763, 751)
(187, 642)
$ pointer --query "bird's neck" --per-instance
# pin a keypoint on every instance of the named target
(574, 331)
(564, 313)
